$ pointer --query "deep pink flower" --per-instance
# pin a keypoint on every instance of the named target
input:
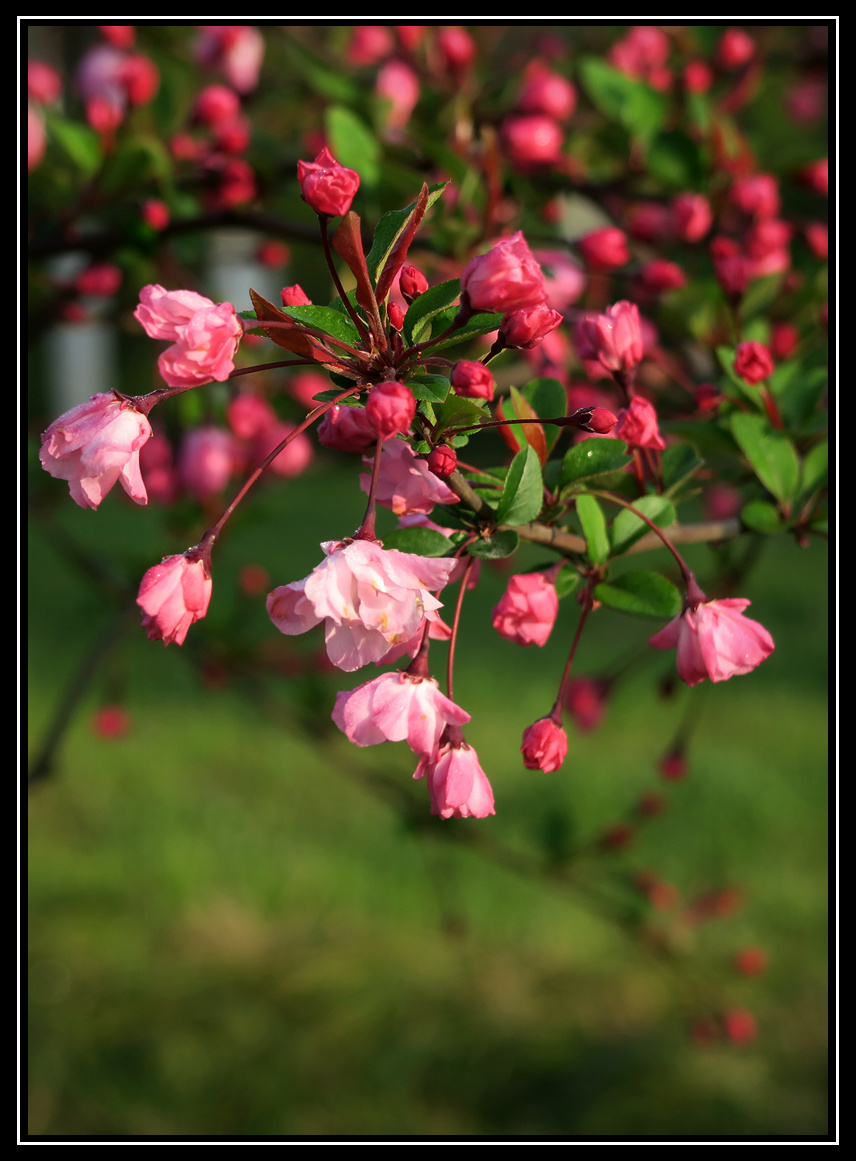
(546, 92)
(614, 339)
(545, 745)
(715, 640)
(785, 339)
(642, 55)
(531, 140)
(346, 429)
(817, 236)
(815, 176)
(506, 278)
(637, 425)
(294, 296)
(736, 48)
(141, 79)
(605, 248)
(405, 484)
(412, 282)
(731, 267)
(692, 216)
(249, 414)
(207, 458)
(586, 701)
(457, 785)
(457, 47)
(397, 707)
(648, 221)
(327, 186)
(442, 461)
(95, 444)
(757, 195)
(120, 35)
(369, 44)
(659, 276)
(698, 76)
(100, 281)
(370, 600)
(43, 82)
(527, 328)
(155, 214)
(473, 379)
(752, 362)
(216, 104)
(390, 408)
(174, 594)
(528, 609)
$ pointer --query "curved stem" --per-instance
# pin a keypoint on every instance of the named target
(450, 663)
(686, 571)
(366, 530)
(587, 604)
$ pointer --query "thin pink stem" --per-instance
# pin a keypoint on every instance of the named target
(450, 664)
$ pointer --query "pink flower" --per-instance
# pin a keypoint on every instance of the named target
(205, 337)
(457, 47)
(174, 594)
(369, 44)
(397, 707)
(457, 785)
(692, 216)
(545, 745)
(698, 76)
(120, 35)
(236, 50)
(390, 407)
(95, 444)
(528, 609)
(293, 459)
(736, 48)
(442, 461)
(648, 221)
(815, 176)
(614, 339)
(606, 248)
(531, 140)
(564, 279)
(405, 483)
(659, 275)
(100, 281)
(473, 379)
(207, 459)
(586, 701)
(527, 328)
(753, 363)
(731, 267)
(715, 640)
(294, 296)
(43, 82)
(637, 425)
(370, 600)
(249, 415)
(216, 104)
(155, 214)
(546, 92)
(327, 186)
(506, 278)
(346, 429)
(757, 195)
(398, 84)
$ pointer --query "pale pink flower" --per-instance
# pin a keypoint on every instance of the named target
(174, 594)
(715, 640)
(398, 84)
(95, 444)
(528, 609)
(405, 483)
(397, 707)
(637, 425)
(208, 457)
(205, 336)
(506, 278)
(369, 599)
(236, 50)
(545, 745)
(457, 785)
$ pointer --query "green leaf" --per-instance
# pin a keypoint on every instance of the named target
(331, 393)
(390, 228)
(632, 104)
(326, 319)
(431, 388)
(679, 463)
(353, 144)
(801, 394)
(421, 541)
(627, 528)
(762, 516)
(81, 144)
(590, 458)
(426, 306)
(815, 468)
(549, 400)
(523, 495)
(567, 581)
(642, 594)
(456, 411)
(593, 521)
(675, 160)
(501, 543)
(479, 324)
(770, 453)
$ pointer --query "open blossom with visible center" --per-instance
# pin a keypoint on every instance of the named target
(545, 745)
(326, 185)
(528, 609)
(397, 707)
(205, 336)
(715, 640)
(95, 444)
(506, 278)
(369, 599)
(614, 339)
(457, 785)
(174, 594)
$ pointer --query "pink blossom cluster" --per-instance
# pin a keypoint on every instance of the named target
(204, 336)
(532, 135)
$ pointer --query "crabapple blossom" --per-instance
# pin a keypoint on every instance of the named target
(44, 84)
(473, 379)
(735, 49)
(715, 640)
(605, 248)
(390, 408)
(544, 746)
(327, 186)
(207, 458)
(692, 216)
(753, 363)
(205, 336)
(412, 282)
(174, 594)
(293, 459)
(613, 339)
(398, 84)
(506, 278)
(397, 707)
(528, 609)
(442, 461)
(586, 701)
(756, 195)
(637, 425)
(527, 328)
(405, 484)
(236, 50)
(346, 429)
(532, 139)
(369, 599)
(457, 785)
(546, 92)
(95, 444)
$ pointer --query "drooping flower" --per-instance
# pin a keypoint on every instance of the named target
(397, 707)
(528, 609)
(544, 746)
(457, 785)
(174, 594)
(715, 640)
(205, 336)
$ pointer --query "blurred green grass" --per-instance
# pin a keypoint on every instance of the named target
(239, 927)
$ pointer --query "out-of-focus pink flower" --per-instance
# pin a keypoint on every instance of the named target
(815, 176)
(104, 115)
(642, 55)
(457, 48)
(473, 379)
(697, 76)
(457, 785)
(817, 236)
(110, 721)
(95, 444)
(546, 92)
(722, 501)
(410, 35)
(236, 50)
(741, 1026)
(715, 640)
(405, 483)
(708, 397)
(305, 386)
(44, 84)
(637, 425)
(120, 35)
(605, 248)
(249, 415)
(735, 49)
(397, 707)
(174, 594)
(784, 340)
(390, 407)
(207, 458)
(412, 282)
(216, 104)
(155, 214)
(141, 79)
(529, 327)
(273, 253)
(506, 278)
(232, 137)
(564, 279)
(205, 337)
(347, 429)
(442, 461)
(100, 281)
(586, 701)
(806, 98)
(233, 182)
(532, 140)
(528, 609)
(756, 195)
(692, 216)
(751, 961)
(370, 599)
(398, 84)
(292, 460)
(327, 186)
(369, 44)
(36, 138)
(673, 766)
(648, 221)
(100, 74)
(614, 339)
(730, 265)
(160, 476)
(752, 362)
(659, 276)
(545, 745)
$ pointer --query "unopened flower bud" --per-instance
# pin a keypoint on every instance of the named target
(473, 379)
(442, 461)
(527, 328)
(740, 1025)
(396, 316)
(692, 216)
(390, 408)
(412, 283)
(698, 76)
(327, 186)
(753, 362)
(346, 429)
(736, 48)
(294, 296)
(674, 766)
(545, 745)
(506, 278)
(606, 248)
(598, 419)
(155, 214)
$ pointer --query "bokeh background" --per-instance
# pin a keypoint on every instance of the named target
(239, 923)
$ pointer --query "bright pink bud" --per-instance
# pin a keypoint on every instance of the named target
(585, 701)
(692, 216)
(546, 92)
(707, 397)
(327, 186)
(659, 276)
(442, 461)
(396, 316)
(457, 785)
(528, 609)
(605, 248)
(815, 176)
(741, 1026)
(390, 408)
(532, 140)
(160, 476)
(95, 444)
(216, 104)
(369, 44)
(457, 47)
(545, 745)
(756, 195)
(473, 379)
(120, 35)
(601, 421)
(751, 961)
(736, 48)
(294, 296)
(412, 282)
(155, 214)
(101, 281)
(614, 338)
(784, 340)
(715, 640)
(752, 362)
(730, 266)
(43, 82)
(397, 707)
(506, 278)
(207, 458)
(104, 114)
(141, 79)
(698, 76)
(817, 236)
(529, 327)
(174, 594)
(637, 425)
(346, 429)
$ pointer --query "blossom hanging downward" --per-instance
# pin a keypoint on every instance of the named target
(457, 785)
(205, 336)
(397, 707)
(715, 640)
(174, 594)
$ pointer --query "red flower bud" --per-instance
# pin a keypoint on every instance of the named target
(442, 461)
(736, 48)
(473, 379)
(412, 282)
(294, 296)
(753, 362)
(527, 328)
(606, 248)
(740, 1025)
(698, 76)
(327, 186)
(396, 316)
(390, 408)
